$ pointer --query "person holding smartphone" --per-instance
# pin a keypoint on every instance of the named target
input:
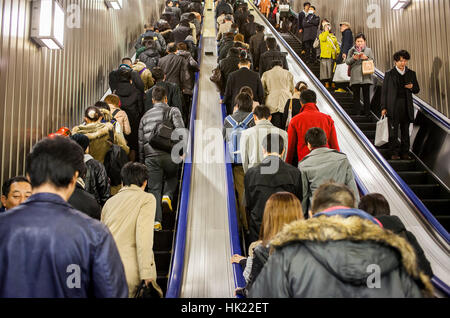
(400, 83)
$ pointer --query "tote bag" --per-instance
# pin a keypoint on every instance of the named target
(382, 132)
(341, 74)
(368, 67)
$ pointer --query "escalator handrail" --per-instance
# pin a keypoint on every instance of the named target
(439, 284)
(369, 146)
(422, 105)
(179, 248)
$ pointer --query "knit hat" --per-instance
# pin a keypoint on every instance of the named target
(82, 140)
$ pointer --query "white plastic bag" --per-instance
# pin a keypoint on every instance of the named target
(382, 133)
(341, 74)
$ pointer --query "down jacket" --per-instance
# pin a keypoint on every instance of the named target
(148, 123)
(34, 264)
(333, 256)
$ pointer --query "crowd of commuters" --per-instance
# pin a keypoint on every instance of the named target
(98, 191)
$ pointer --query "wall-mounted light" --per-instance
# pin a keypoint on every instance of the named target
(399, 4)
(47, 24)
(114, 4)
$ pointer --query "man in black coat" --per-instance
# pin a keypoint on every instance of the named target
(302, 16)
(229, 64)
(243, 77)
(271, 176)
(249, 29)
(85, 202)
(114, 76)
(347, 41)
(175, 67)
(256, 41)
(174, 96)
(310, 29)
(225, 45)
(399, 85)
(273, 54)
(223, 8)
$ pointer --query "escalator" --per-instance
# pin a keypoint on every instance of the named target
(432, 194)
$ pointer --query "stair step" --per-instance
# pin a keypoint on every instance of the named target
(444, 220)
(439, 207)
(168, 220)
(162, 241)
(403, 165)
(367, 126)
(414, 177)
(162, 260)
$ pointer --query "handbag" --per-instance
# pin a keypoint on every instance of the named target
(382, 132)
(289, 118)
(161, 136)
(368, 67)
(144, 291)
(341, 74)
(216, 78)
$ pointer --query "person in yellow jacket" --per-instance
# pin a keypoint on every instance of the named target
(330, 49)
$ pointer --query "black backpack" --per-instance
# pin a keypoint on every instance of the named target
(115, 159)
(161, 135)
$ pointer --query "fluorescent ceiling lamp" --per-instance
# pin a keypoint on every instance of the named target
(399, 4)
(114, 4)
(47, 24)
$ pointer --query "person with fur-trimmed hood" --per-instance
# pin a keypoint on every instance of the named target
(340, 252)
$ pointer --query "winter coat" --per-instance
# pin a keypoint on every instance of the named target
(322, 165)
(392, 84)
(237, 80)
(278, 85)
(132, 102)
(130, 215)
(181, 33)
(174, 96)
(146, 76)
(329, 46)
(45, 245)
(176, 69)
(310, 27)
(114, 79)
(224, 28)
(121, 118)
(264, 6)
(239, 116)
(316, 252)
(196, 6)
(271, 176)
(240, 19)
(393, 223)
(346, 43)
(223, 8)
(248, 30)
(261, 255)
(309, 117)
(157, 37)
(193, 68)
(255, 43)
(84, 201)
(251, 141)
(96, 181)
(266, 59)
(100, 137)
(357, 76)
(228, 66)
(148, 123)
(301, 18)
(150, 57)
(227, 44)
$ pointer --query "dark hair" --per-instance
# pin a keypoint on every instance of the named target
(251, 18)
(158, 74)
(55, 161)
(234, 51)
(243, 58)
(308, 96)
(185, 23)
(171, 48)
(112, 99)
(192, 16)
(403, 53)
(248, 90)
(168, 1)
(262, 112)
(244, 102)
(158, 93)
(6, 187)
(182, 46)
(316, 137)
(150, 44)
(332, 194)
(82, 140)
(306, 4)
(277, 63)
(313, 7)
(134, 173)
(360, 36)
(126, 59)
(102, 104)
(260, 28)
(273, 143)
(235, 27)
(375, 204)
(271, 43)
(93, 113)
(301, 86)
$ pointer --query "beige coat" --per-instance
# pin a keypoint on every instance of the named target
(130, 215)
(223, 28)
(122, 119)
(278, 86)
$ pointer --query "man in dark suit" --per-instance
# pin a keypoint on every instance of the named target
(399, 85)
(301, 17)
(238, 79)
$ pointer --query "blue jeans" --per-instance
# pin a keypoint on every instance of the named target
(162, 179)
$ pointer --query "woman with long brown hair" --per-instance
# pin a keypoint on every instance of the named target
(282, 208)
